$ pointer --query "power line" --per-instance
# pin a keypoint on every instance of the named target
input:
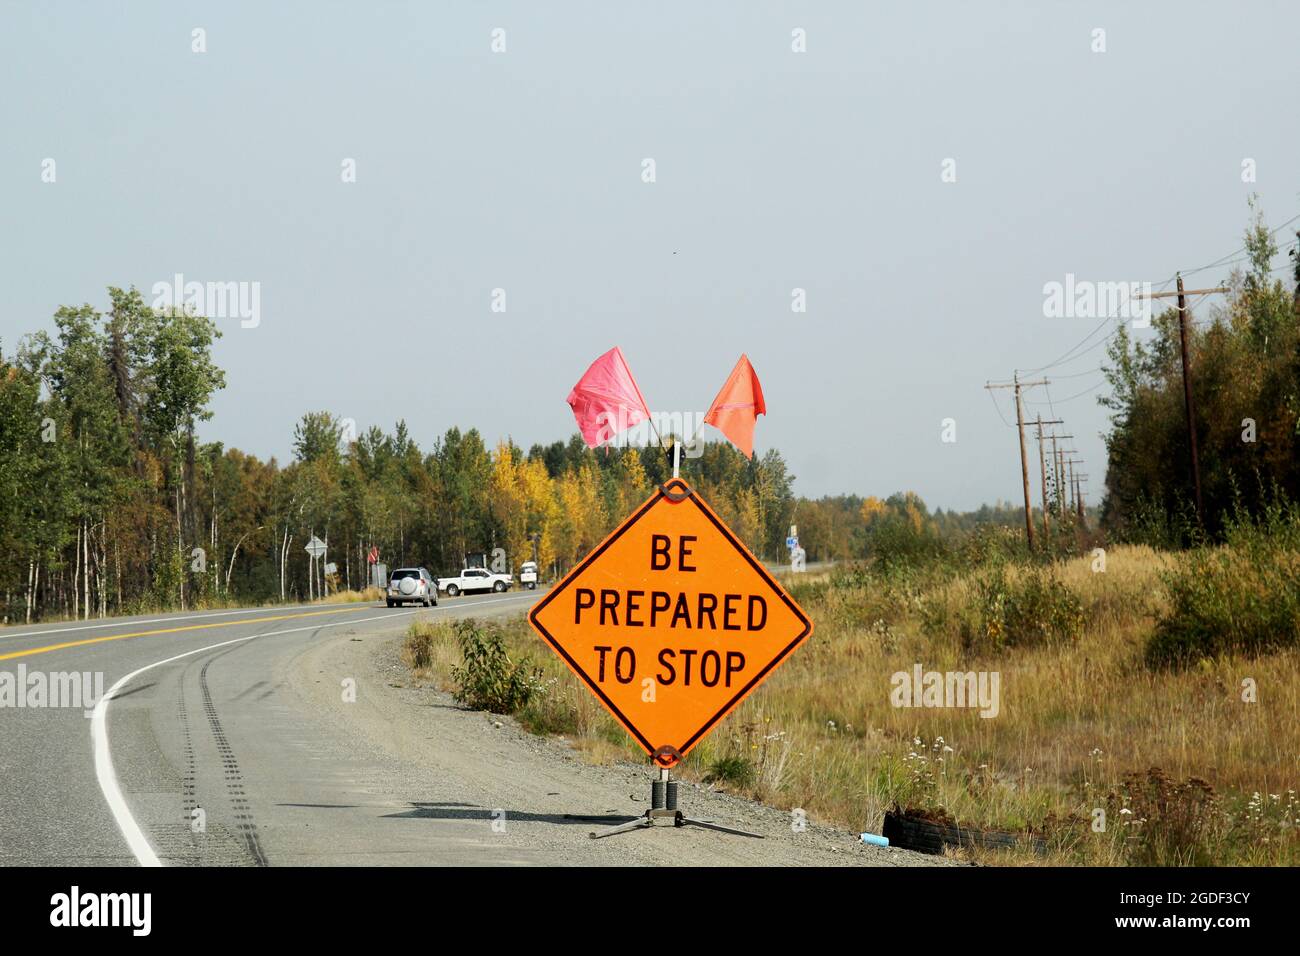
(999, 411)
(1222, 260)
(1067, 356)
(1068, 353)
(1072, 397)
(1080, 374)
(1238, 251)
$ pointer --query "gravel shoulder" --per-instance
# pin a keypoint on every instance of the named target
(471, 766)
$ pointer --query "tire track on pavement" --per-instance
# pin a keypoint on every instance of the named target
(245, 825)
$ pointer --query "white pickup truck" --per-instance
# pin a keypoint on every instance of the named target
(528, 574)
(475, 579)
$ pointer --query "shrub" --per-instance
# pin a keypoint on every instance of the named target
(488, 679)
(1038, 609)
(733, 769)
(895, 542)
(1149, 522)
(806, 592)
(1167, 823)
(1242, 597)
(418, 649)
(550, 710)
(993, 544)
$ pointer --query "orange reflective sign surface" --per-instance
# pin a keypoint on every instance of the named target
(670, 622)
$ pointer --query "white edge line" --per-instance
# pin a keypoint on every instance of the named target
(131, 832)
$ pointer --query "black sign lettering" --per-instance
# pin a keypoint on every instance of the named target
(735, 664)
(729, 611)
(666, 661)
(682, 611)
(691, 612)
(631, 665)
(708, 604)
(660, 601)
(609, 602)
(584, 598)
(634, 606)
(602, 651)
(714, 660)
(659, 544)
(684, 552)
(687, 654)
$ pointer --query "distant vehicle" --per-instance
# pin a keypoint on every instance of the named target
(528, 574)
(475, 579)
(414, 585)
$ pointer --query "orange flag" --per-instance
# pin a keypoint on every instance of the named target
(738, 406)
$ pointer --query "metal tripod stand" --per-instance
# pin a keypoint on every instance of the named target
(663, 812)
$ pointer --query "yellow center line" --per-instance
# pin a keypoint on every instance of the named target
(175, 630)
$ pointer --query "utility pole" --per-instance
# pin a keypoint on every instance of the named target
(1064, 489)
(1058, 472)
(1024, 460)
(1074, 498)
(1187, 401)
(1182, 294)
(1042, 468)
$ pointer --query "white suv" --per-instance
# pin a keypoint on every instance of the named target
(412, 584)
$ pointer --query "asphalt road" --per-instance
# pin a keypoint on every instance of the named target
(284, 736)
(203, 723)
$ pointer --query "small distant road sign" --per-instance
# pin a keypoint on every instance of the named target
(791, 543)
(373, 555)
(331, 568)
(315, 547)
(671, 622)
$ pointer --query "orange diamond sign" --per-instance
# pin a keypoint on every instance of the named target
(670, 622)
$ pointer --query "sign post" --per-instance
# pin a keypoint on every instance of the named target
(315, 548)
(670, 622)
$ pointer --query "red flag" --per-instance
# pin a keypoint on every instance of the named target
(606, 399)
(738, 406)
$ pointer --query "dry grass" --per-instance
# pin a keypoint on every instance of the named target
(350, 596)
(430, 652)
(206, 603)
(1077, 721)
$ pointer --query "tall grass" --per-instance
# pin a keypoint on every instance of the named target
(350, 596)
(1084, 723)
(1242, 597)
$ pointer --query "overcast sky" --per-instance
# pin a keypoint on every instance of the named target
(523, 170)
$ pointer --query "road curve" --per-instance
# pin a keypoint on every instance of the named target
(294, 736)
(195, 713)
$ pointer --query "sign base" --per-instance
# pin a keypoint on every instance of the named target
(663, 812)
